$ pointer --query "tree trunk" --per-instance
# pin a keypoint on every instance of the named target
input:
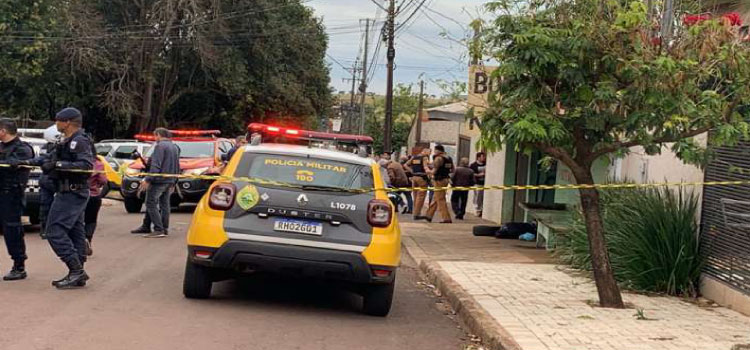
(148, 95)
(606, 285)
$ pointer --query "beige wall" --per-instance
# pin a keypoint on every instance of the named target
(493, 200)
(664, 167)
(724, 295)
(436, 131)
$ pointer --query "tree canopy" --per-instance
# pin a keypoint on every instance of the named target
(583, 79)
(134, 65)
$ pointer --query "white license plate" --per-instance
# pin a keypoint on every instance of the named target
(33, 183)
(298, 226)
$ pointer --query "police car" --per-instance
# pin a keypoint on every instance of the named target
(32, 207)
(296, 209)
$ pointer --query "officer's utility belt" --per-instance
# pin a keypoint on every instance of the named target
(424, 176)
(66, 186)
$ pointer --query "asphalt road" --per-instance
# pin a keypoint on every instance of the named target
(134, 301)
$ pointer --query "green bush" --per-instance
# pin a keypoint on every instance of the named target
(652, 237)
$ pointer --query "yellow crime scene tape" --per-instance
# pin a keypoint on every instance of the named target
(259, 181)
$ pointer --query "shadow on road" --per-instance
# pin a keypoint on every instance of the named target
(288, 293)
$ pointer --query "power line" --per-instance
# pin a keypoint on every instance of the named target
(337, 62)
(428, 8)
(412, 15)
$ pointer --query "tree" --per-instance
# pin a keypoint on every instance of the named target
(405, 103)
(585, 79)
(134, 65)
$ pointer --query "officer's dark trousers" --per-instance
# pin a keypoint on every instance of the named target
(11, 209)
(91, 216)
(458, 202)
(46, 195)
(65, 229)
(157, 205)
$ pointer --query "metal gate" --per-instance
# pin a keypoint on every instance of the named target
(725, 219)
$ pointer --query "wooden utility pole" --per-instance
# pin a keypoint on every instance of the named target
(389, 83)
(363, 81)
(419, 112)
(348, 124)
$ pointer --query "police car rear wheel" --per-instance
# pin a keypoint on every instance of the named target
(198, 281)
(377, 299)
(133, 205)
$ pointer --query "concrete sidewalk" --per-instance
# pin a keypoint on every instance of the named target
(512, 296)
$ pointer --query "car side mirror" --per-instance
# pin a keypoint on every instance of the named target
(135, 155)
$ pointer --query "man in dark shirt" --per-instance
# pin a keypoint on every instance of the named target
(479, 168)
(12, 186)
(240, 142)
(462, 177)
(165, 159)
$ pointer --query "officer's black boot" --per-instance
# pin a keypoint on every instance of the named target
(76, 277)
(18, 272)
(43, 230)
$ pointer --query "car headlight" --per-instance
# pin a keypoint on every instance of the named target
(132, 172)
(195, 172)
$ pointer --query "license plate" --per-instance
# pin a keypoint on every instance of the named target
(298, 226)
(33, 183)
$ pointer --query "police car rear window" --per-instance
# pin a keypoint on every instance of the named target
(304, 171)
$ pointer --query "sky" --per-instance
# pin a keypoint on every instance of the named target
(421, 51)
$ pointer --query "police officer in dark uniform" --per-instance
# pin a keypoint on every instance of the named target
(65, 226)
(47, 186)
(12, 186)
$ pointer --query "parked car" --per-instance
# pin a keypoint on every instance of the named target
(118, 155)
(32, 186)
(311, 213)
(200, 154)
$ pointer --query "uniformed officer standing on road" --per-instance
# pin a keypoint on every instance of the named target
(12, 186)
(47, 187)
(65, 227)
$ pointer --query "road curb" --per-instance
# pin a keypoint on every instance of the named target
(471, 314)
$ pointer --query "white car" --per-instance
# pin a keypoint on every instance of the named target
(118, 153)
(32, 186)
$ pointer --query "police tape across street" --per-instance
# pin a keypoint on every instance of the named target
(603, 186)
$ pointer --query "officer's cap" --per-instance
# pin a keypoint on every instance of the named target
(68, 114)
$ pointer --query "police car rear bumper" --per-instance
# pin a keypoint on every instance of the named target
(317, 263)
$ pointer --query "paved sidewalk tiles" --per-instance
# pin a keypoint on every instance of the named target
(511, 293)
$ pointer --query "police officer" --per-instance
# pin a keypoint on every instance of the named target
(418, 165)
(65, 226)
(12, 186)
(47, 187)
(441, 172)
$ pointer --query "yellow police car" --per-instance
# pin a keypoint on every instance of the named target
(297, 210)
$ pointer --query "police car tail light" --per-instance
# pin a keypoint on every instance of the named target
(379, 213)
(222, 197)
(202, 254)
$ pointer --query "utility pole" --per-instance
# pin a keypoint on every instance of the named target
(348, 122)
(666, 23)
(419, 113)
(363, 81)
(389, 83)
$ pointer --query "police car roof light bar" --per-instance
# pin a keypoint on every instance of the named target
(181, 133)
(259, 128)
